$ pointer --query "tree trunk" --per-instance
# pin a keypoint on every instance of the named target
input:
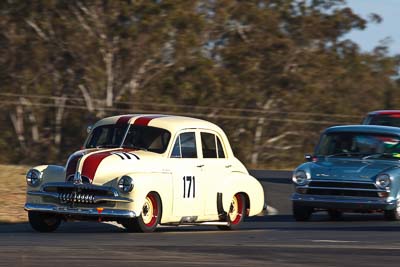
(17, 120)
(257, 148)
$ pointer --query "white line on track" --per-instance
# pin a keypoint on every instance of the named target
(334, 241)
(272, 211)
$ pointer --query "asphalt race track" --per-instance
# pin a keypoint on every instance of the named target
(275, 240)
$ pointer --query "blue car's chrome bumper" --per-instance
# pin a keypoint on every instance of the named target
(343, 202)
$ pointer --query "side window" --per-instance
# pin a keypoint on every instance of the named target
(221, 153)
(209, 147)
(185, 146)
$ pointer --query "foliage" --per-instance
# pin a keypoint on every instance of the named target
(272, 73)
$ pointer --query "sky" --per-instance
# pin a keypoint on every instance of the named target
(389, 10)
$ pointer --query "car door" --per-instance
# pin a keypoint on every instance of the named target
(187, 175)
(215, 170)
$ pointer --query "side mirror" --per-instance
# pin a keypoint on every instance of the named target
(308, 157)
(89, 129)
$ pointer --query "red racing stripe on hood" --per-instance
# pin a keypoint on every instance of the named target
(91, 164)
(73, 160)
(71, 164)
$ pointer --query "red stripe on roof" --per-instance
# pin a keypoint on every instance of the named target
(124, 119)
(144, 121)
(91, 164)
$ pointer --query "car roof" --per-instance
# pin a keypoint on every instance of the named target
(384, 112)
(364, 129)
(169, 122)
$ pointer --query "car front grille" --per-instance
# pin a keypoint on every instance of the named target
(68, 193)
(340, 188)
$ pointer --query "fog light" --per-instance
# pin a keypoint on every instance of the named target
(383, 194)
(301, 190)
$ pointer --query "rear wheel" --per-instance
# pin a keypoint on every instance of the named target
(43, 222)
(236, 213)
(149, 217)
(301, 213)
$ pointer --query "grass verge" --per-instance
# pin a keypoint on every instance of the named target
(12, 193)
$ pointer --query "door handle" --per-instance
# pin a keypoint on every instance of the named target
(228, 166)
(199, 166)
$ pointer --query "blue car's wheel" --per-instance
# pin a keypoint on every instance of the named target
(301, 213)
(394, 214)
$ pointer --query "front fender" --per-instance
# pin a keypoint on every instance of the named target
(144, 183)
(50, 173)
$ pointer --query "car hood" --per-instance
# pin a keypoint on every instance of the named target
(92, 163)
(350, 169)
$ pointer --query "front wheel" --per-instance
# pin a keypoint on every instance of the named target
(149, 217)
(335, 215)
(301, 213)
(236, 213)
(43, 222)
(394, 214)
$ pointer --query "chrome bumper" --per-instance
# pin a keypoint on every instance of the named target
(341, 202)
(80, 211)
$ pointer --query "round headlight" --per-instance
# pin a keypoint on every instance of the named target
(300, 178)
(382, 181)
(33, 177)
(125, 184)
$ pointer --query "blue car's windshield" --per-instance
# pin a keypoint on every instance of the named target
(366, 145)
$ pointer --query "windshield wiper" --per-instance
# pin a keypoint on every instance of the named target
(106, 146)
(379, 155)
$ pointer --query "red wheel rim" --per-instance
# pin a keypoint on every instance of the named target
(150, 211)
(236, 209)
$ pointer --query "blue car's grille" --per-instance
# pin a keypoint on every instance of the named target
(340, 188)
(342, 185)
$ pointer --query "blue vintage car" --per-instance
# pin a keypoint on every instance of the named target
(353, 169)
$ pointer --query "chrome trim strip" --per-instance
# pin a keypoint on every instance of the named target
(341, 181)
(341, 199)
(341, 188)
(64, 197)
(79, 211)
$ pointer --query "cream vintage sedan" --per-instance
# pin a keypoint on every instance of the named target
(143, 171)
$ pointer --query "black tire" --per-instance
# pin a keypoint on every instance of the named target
(301, 213)
(236, 213)
(43, 222)
(335, 215)
(392, 215)
(146, 222)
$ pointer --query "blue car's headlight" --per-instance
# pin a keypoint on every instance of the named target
(300, 177)
(383, 181)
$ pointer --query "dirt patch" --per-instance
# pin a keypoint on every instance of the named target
(12, 193)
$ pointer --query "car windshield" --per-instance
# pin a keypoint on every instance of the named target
(147, 138)
(384, 119)
(138, 137)
(107, 136)
(365, 145)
